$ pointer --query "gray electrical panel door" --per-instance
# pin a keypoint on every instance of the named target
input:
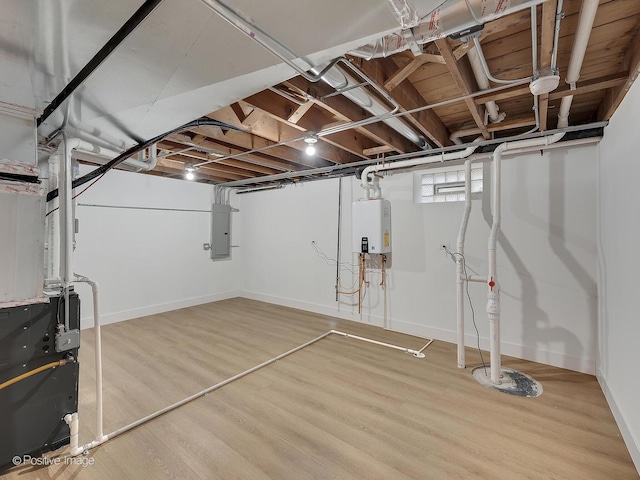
(220, 231)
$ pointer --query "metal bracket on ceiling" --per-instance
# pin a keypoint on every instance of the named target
(416, 48)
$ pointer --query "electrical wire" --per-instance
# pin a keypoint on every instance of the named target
(473, 313)
(98, 172)
(78, 194)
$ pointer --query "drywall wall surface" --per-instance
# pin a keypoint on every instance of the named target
(148, 256)
(546, 257)
(619, 230)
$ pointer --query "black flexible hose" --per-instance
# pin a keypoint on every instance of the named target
(139, 147)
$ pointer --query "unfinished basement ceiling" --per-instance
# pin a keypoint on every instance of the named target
(184, 61)
(441, 73)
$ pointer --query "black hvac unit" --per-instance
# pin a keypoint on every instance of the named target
(32, 410)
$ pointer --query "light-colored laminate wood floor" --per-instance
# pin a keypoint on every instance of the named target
(339, 409)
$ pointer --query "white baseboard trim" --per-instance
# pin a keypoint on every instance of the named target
(583, 365)
(632, 443)
(87, 322)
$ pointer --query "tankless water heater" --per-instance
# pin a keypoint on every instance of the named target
(371, 220)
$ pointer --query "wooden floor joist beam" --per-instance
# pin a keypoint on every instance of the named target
(463, 77)
(426, 121)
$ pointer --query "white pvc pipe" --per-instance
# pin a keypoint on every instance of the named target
(460, 278)
(483, 84)
(415, 353)
(373, 169)
(466, 132)
(98, 356)
(66, 219)
(580, 41)
(493, 294)
(72, 419)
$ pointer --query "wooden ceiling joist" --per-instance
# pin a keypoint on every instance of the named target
(403, 73)
(337, 148)
(614, 96)
(426, 121)
(346, 110)
(463, 77)
(196, 157)
(221, 148)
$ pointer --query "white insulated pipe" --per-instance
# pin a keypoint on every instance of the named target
(373, 169)
(483, 84)
(98, 355)
(493, 294)
(460, 280)
(580, 41)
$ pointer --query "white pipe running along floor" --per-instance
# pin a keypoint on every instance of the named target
(72, 419)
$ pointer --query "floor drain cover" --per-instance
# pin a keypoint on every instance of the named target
(512, 382)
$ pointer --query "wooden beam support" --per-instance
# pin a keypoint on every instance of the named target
(208, 170)
(464, 79)
(426, 121)
(377, 150)
(299, 112)
(270, 128)
(587, 86)
(411, 67)
(226, 149)
(614, 96)
(198, 156)
(345, 147)
(347, 111)
(590, 86)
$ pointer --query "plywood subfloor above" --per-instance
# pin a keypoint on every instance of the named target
(339, 409)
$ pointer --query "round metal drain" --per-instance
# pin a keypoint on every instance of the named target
(512, 382)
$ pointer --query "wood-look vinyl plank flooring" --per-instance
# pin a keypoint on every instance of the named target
(338, 409)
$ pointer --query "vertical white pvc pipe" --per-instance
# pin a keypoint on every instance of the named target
(98, 356)
(493, 300)
(460, 280)
(66, 223)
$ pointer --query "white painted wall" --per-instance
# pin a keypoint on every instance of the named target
(547, 256)
(619, 229)
(149, 261)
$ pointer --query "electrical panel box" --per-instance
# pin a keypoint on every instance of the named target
(220, 231)
(371, 221)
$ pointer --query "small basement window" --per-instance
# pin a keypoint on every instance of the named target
(446, 184)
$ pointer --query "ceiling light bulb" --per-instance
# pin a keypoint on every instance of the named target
(311, 149)
(190, 176)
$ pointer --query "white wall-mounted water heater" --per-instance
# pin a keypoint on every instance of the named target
(371, 220)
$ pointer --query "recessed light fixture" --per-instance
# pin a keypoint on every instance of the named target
(311, 145)
(190, 169)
